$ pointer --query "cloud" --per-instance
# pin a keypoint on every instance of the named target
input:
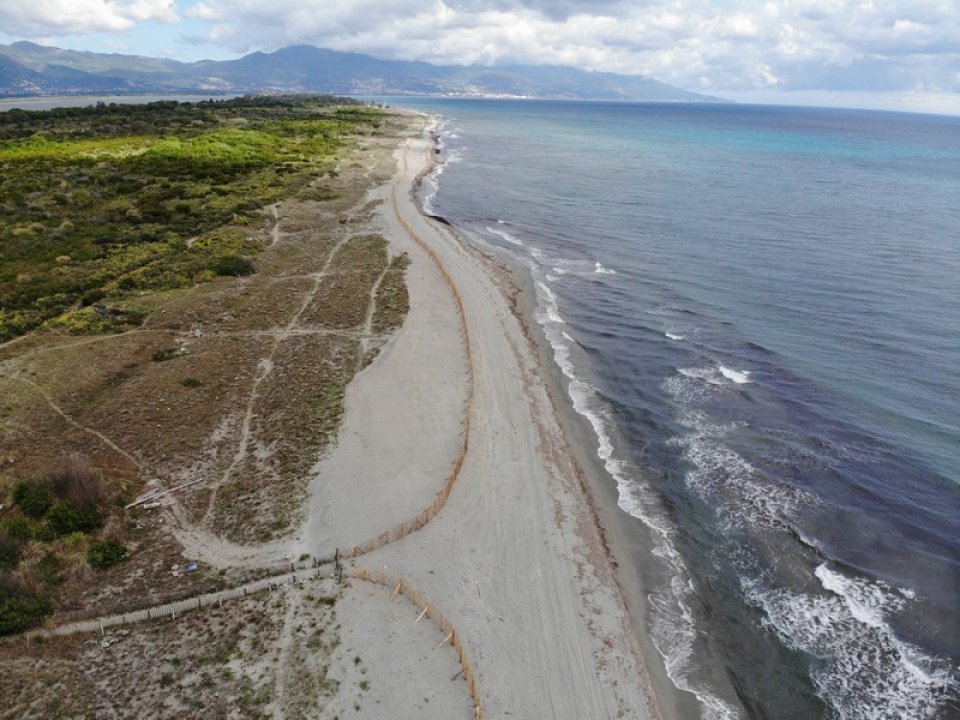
(699, 44)
(706, 45)
(38, 18)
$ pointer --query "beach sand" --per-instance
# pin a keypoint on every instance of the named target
(515, 559)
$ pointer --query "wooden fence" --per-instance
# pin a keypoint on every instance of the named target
(172, 609)
(427, 514)
(272, 573)
(402, 587)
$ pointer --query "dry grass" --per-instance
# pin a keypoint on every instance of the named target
(393, 303)
(133, 419)
(252, 658)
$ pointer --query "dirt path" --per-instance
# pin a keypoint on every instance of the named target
(91, 431)
(265, 369)
(275, 230)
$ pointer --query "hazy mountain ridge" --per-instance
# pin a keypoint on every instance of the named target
(29, 69)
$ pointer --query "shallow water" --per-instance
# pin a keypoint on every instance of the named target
(759, 312)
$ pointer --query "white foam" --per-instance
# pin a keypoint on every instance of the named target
(675, 336)
(673, 628)
(432, 179)
(504, 235)
(866, 672)
(708, 374)
(738, 376)
(581, 268)
(741, 496)
(718, 375)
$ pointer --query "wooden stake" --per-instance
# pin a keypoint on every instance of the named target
(397, 591)
(420, 616)
(443, 641)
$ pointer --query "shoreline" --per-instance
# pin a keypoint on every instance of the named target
(626, 539)
(517, 559)
(621, 544)
(625, 536)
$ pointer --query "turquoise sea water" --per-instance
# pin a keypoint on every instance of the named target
(758, 310)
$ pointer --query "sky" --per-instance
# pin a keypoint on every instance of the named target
(885, 54)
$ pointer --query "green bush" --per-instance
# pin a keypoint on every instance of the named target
(106, 553)
(48, 569)
(234, 265)
(33, 497)
(20, 609)
(168, 354)
(66, 518)
(19, 528)
(11, 549)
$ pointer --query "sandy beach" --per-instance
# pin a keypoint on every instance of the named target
(515, 559)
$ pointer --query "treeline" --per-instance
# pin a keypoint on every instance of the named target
(160, 117)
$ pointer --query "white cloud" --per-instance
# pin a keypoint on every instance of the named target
(702, 44)
(38, 18)
(707, 45)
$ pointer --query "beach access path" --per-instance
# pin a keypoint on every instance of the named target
(515, 558)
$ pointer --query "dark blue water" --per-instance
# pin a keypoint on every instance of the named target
(759, 312)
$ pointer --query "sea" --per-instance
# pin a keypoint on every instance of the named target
(757, 312)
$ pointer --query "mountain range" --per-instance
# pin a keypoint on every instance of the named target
(28, 69)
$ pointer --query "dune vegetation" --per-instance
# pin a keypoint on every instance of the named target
(101, 203)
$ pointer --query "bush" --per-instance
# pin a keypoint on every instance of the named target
(19, 528)
(20, 609)
(106, 553)
(75, 482)
(66, 518)
(168, 354)
(33, 497)
(11, 550)
(48, 571)
(235, 265)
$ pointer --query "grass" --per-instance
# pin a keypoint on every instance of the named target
(89, 216)
(162, 408)
(393, 302)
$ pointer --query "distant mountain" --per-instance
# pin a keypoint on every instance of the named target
(30, 69)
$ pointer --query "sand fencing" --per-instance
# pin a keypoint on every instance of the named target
(427, 514)
(402, 587)
(278, 573)
(172, 609)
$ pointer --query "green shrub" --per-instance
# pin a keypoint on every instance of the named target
(33, 497)
(20, 609)
(168, 354)
(66, 518)
(19, 528)
(104, 554)
(191, 382)
(11, 550)
(47, 571)
(234, 265)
